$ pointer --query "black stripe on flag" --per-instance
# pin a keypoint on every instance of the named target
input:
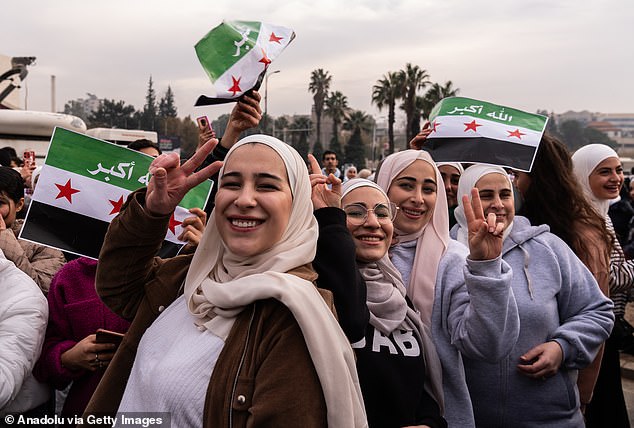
(481, 150)
(72, 232)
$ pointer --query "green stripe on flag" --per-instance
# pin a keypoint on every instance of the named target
(238, 37)
(459, 106)
(108, 163)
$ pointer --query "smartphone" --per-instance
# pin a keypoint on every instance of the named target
(29, 157)
(203, 123)
(107, 336)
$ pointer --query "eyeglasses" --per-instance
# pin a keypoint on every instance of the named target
(357, 214)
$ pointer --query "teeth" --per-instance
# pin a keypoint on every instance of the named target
(244, 223)
(370, 238)
(412, 212)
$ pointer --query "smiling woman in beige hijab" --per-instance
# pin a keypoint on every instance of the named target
(251, 342)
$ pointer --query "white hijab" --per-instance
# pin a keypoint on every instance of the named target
(432, 239)
(220, 284)
(584, 161)
(456, 165)
(468, 180)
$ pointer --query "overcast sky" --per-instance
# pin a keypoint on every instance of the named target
(529, 54)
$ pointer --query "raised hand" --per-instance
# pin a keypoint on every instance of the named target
(245, 114)
(321, 195)
(542, 361)
(485, 234)
(171, 181)
(419, 140)
(194, 227)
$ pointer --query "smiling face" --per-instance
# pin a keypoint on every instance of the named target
(254, 200)
(372, 238)
(414, 193)
(8, 208)
(450, 178)
(496, 196)
(606, 179)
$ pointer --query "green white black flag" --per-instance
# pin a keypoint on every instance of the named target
(235, 55)
(468, 130)
(82, 186)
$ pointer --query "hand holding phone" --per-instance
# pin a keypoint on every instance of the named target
(107, 336)
(203, 123)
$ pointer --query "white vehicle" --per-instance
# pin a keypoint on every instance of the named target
(32, 130)
(122, 136)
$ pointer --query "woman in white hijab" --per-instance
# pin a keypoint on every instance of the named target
(463, 295)
(251, 341)
(564, 318)
(600, 173)
(398, 367)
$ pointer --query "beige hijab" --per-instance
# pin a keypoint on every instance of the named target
(220, 284)
(432, 240)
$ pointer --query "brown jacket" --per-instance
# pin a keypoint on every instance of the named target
(264, 375)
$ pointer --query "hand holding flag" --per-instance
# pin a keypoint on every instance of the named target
(171, 181)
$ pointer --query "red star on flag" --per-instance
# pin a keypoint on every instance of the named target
(173, 224)
(473, 126)
(236, 85)
(275, 39)
(434, 125)
(116, 205)
(66, 191)
(515, 133)
(265, 60)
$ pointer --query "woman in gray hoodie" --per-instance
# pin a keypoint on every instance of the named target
(564, 318)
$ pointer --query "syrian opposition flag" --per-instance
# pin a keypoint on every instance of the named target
(83, 183)
(472, 131)
(236, 54)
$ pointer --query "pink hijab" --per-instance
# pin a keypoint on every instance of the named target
(432, 239)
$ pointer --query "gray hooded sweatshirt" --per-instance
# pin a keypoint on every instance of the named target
(558, 299)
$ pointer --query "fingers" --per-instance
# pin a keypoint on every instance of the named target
(468, 210)
(202, 215)
(336, 184)
(199, 156)
(476, 204)
(491, 222)
(314, 165)
(198, 177)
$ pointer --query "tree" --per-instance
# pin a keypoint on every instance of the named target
(148, 116)
(572, 134)
(336, 106)
(113, 114)
(594, 136)
(76, 109)
(357, 121)
(319, 86)
(301, 128)
(433, 96)
(413, 79)
(166, 105)
(318, 151)
(281, 125)
(384, 94)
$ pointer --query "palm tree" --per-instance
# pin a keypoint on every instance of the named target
(357, 122)
(336, 106)
(281, 124)
(319, 86)
(433, 96)
(301, 128)
(414, 78)
(384, 94)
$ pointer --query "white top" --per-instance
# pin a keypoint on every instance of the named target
(172, 368)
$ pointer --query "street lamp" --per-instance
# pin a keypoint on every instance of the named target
(266, 95)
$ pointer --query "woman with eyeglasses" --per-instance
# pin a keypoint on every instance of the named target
(398, 367)
(463, 294)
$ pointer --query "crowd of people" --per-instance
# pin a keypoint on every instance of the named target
(422, 294)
